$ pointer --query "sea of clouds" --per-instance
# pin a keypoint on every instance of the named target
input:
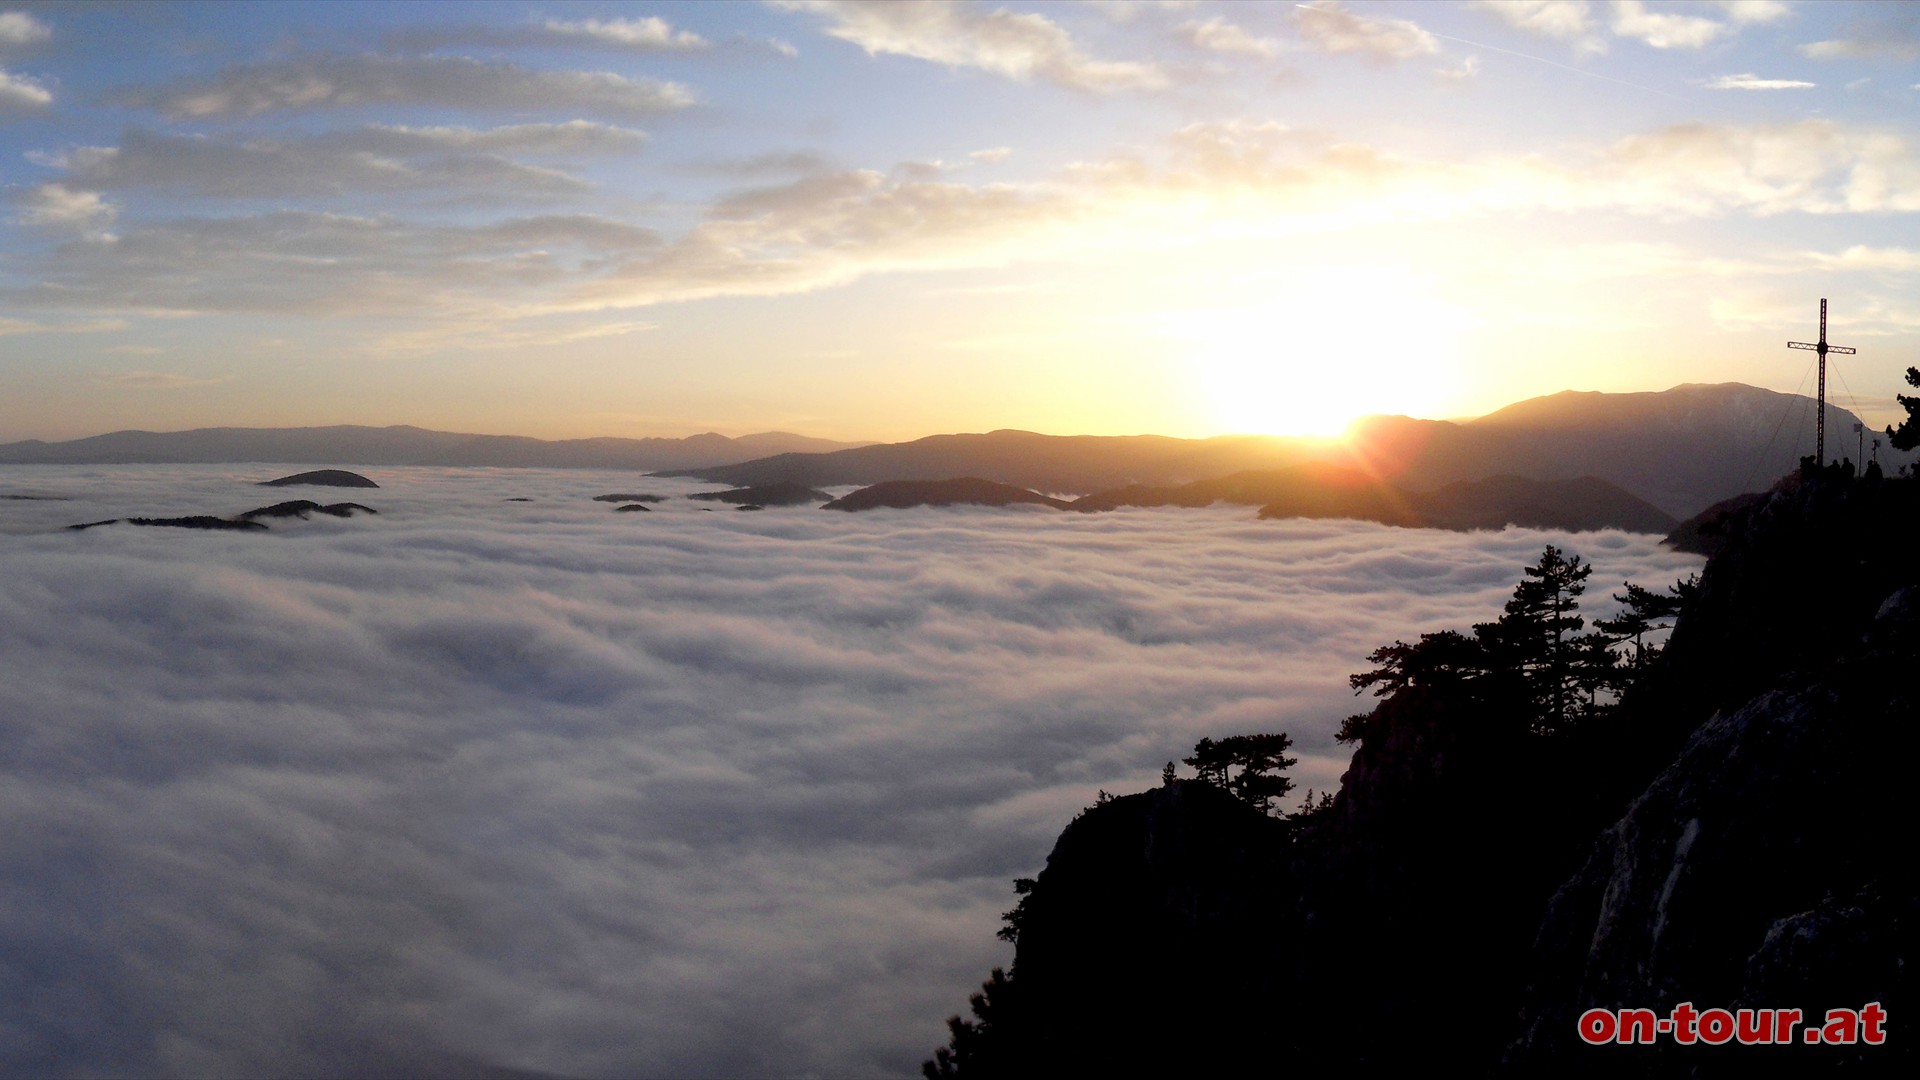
(479, 786)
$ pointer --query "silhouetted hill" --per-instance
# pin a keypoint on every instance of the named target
(1733, 834)
(323, 478)
(1333, 491)
(763, 495)
(1705, 532)
(1579, 504)
(1680, 450)
(404, 445)
(1075, 463)
(967, 490)
(300, 508)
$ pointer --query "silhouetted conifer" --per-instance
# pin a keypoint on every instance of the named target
(1907, 435)
(1247, 766)
(1642, 612)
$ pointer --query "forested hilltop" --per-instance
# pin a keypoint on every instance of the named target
(1544, 814)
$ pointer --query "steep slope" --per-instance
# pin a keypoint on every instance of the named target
(1734, 834)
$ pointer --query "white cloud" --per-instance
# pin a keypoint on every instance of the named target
(377, 158)
(60, 206)
(1755, 11)
(351, 81)
(1897, 43)
(22, 92)
(19, 28)
(826, 228)
(1749, 81)
(9, 327)
(1016, 45)
(1219, 35)
(1664, 30)
(1466, 70)
(474, 785)
(1863, 257)
(1562, 20)
(1332, 28)
(156, 380)
(647, 34)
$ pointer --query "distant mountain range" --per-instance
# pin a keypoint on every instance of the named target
(1681, 450)
(403, 445)
(1317, 491)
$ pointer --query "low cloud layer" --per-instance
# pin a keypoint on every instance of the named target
(542, 786)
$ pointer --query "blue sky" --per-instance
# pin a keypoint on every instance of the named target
(887, 220)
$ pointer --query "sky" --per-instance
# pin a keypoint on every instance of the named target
(887, 220)
(538, 785)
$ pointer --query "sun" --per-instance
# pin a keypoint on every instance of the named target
(1314, 360)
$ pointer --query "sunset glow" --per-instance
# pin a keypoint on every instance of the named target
(884, 220)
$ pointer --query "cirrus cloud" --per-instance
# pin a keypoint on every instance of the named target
(1020, 46)
(347, 81)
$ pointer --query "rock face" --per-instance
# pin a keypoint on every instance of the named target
(1164, 897)
(1736, 834)
(968, 490)
(323, 478)
(1754, 872)
(1706, 532)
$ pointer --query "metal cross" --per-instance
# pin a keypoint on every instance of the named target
(1821, 347)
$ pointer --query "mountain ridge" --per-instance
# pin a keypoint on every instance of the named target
(1680, 449)
(404, 444)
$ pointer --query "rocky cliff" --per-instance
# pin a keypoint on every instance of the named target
(1732, 834)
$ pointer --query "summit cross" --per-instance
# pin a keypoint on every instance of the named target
(1821, 347)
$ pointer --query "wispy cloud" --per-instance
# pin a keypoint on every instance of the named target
(1017, 45)
(644, 35)
(9, 327)
(1570, 21)
(1674, 30)
(1328, 25)
(828, 227)
(19, 92)
(344, 81)
(56, 205)
(443, 160)
(156, 380)
(1218, 35)
(1895, 41)
(1750, 81)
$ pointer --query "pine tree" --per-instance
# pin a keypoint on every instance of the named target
(1538, 643)
(1641, 613)
(1907, 436)
(1258, 759)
